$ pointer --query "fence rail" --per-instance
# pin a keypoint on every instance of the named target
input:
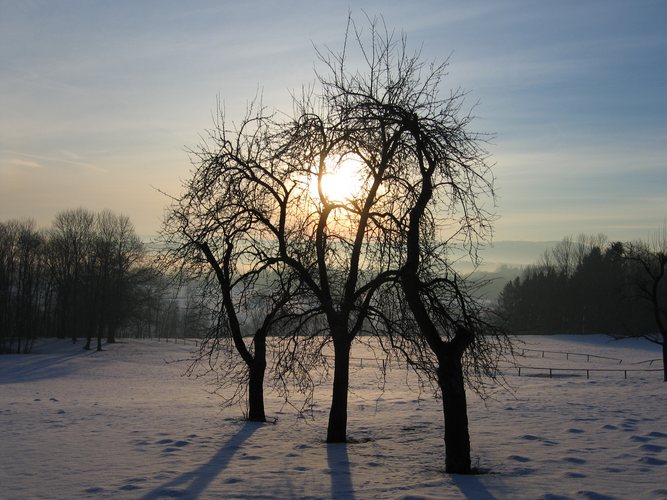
(520, 369)
(544, 369)
(568, 355)
(649, 361)
(177, 340)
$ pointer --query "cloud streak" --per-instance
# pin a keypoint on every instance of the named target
(22, 163)
(66, 159)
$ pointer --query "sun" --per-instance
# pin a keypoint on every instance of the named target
(341, 182)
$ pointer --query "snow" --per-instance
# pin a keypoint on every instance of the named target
(124, 423)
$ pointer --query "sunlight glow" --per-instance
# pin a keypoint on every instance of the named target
(342, 181)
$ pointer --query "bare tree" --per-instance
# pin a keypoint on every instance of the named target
(463, 350)
(24, 286)
(420, 185)
(70, 245)
(117, 253)
(435, 187)
(76, 278)
(263, 185)
(93, 258)
(212, 235)
(650, 281)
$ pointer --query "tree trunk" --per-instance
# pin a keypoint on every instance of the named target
(256, 380)
(664, 356)
(100, 332)
(337, 429)
(111, 335)
(457, 437)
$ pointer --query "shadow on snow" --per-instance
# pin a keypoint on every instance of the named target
(339, 468)
(192, 484)
(32, 367)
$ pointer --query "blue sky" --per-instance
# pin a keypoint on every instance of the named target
(100, 99)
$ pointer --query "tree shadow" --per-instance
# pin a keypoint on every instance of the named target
(32, 367)
(471, 486)
(194, 483)
(339, 469)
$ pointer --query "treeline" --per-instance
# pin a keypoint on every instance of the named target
(587, 285)
(87, 277)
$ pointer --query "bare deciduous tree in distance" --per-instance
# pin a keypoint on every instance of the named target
(71, 244)
(651, 282)
(117, 252)
(25, 290)
(94, 258)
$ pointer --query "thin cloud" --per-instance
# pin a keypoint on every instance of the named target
(70, 155)
(38, 161)
(19, 162)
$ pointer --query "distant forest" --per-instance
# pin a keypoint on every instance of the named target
(86, 277)
(589, 285)
(89, 277)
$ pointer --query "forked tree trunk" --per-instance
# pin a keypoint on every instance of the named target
(337, 429)
(256, 371)
(457, 436)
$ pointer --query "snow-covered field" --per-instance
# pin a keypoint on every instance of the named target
(124, 424)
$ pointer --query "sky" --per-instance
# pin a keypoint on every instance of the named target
(100, 100)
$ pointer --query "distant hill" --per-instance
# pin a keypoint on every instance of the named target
(502, 262)
(514, 253)
(507, 253)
